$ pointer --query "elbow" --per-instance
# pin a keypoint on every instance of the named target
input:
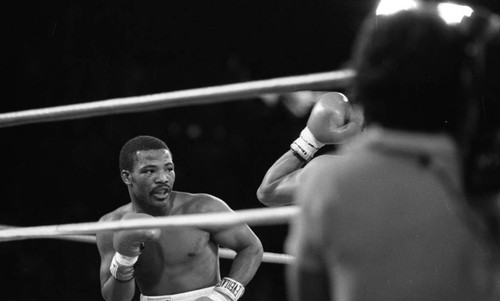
(265, 195)
(105, 294)
(260, 250)
(262, 195)
(107, 291)
(257, 253)
(271, 198)
(256, 249)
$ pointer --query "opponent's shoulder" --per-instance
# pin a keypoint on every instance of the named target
(320, 180)
(201, 203)
(117, 214)
(323, 165)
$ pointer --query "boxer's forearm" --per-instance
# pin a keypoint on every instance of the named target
(116, 290)
(246, 263)
(279, 183)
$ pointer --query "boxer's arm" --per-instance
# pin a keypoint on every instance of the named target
(280, 181)
(111, 289)
(248, 248)
(242, 240)
(332, 121)
(249, 252)
(119, 252)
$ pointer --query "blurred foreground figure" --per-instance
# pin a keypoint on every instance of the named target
(393, 217)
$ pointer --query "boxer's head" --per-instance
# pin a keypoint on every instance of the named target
(410, 65)
(140, 143)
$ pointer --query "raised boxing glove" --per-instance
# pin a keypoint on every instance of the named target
(328, 114)
(332, 121)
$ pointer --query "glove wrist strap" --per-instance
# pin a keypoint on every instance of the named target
(230, 288)
(122, 267)
(306, 145)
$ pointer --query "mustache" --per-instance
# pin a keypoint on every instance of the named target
(159, 188)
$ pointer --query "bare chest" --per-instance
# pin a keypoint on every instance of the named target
(180, 259)
(175, 247)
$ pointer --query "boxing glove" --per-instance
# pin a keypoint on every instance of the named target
(129, 242)
(127, 245)
(328, 114)
(332, 121)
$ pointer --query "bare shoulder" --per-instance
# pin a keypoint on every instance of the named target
(191, 203)
(116, 214)
(105, 239)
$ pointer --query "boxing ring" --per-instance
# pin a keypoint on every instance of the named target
(85, 232)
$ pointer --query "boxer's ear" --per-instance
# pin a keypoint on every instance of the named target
(125, 174)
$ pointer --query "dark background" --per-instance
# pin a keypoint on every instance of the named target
(64, 52)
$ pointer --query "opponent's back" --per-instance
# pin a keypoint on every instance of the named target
(392, 228)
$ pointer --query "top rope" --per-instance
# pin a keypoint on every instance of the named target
(238, 91)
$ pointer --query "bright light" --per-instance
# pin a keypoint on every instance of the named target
(453, 13)
(388, 7)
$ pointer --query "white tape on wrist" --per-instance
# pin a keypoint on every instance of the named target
(306, 145)
(126, 260)
(122, 267)
(230, 288)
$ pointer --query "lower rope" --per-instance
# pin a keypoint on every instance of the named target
(224, 253)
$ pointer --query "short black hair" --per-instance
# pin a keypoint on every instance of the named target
(131, 147)
(410, 71)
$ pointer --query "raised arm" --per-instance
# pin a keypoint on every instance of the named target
(332, 121)
(278, 186)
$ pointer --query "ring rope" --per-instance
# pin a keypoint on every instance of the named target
(238, 91)
(267, 257)
(259, 216)
(224, 253)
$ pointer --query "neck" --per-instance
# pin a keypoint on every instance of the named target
(162, 209)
